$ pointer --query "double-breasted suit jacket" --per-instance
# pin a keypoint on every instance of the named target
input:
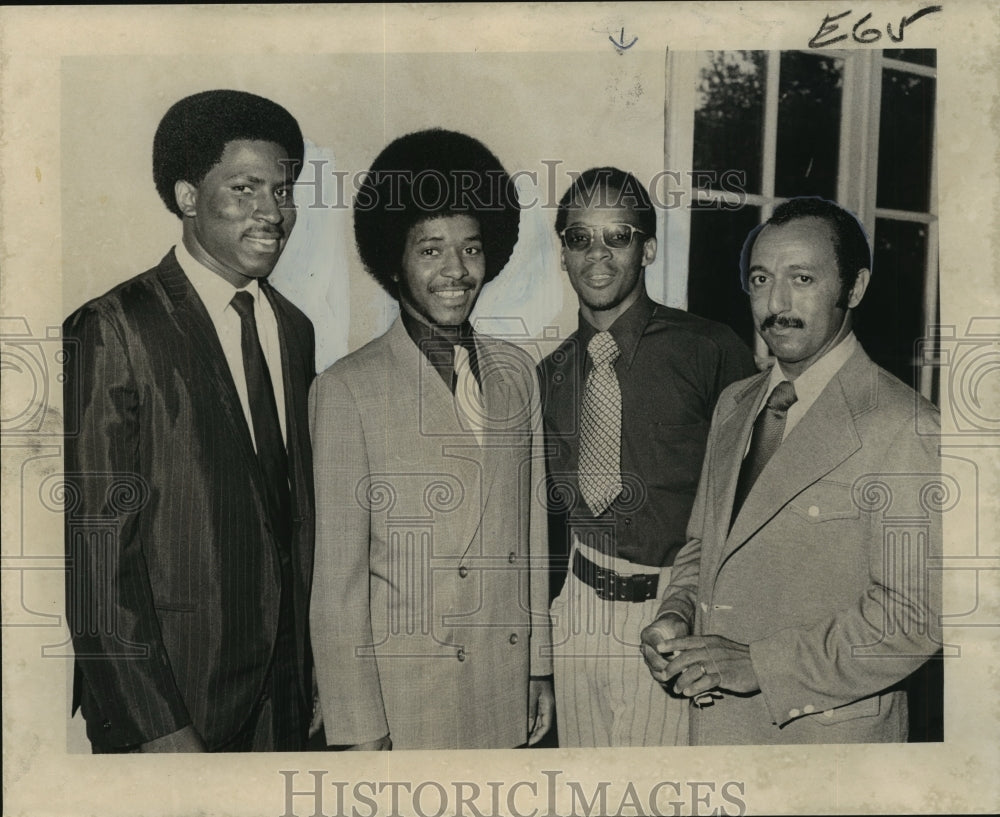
(173, 570)
(430, 598)
(825, 572)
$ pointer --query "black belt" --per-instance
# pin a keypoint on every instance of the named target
(613, 586)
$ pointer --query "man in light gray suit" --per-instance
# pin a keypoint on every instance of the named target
(805, 580)
(430, 596)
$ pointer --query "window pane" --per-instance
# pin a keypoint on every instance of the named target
(809, 98)
(714, 289)
(918, 56)
(890, 318)
(906, 133)
(729, 117)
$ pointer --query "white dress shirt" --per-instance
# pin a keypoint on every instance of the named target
(216, 294)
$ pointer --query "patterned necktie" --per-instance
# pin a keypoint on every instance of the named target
(468, 397)
(768, 429)
(271, 453)
(601, 427)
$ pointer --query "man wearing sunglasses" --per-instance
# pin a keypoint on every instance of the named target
(627, 401)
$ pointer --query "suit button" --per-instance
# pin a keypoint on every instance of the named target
(808, 709)
(793, 713)
(460, 655)
(628, 521)
(512, 557)
(106, 725)
(814, 510)
(463, 571)
(513, 638)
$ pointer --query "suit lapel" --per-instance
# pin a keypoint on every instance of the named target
(297, 369)
(496, 392)
(295, 387)
(496, 432)
(822, 440)
(193, 322)
(442, 446)
(732, 435)
(734, 432)
(436, 409)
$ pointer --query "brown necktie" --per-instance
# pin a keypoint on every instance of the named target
(768, 429)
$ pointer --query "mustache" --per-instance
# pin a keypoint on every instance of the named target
(781, 321)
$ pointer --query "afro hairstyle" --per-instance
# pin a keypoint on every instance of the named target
(430, 174)
(192, 135)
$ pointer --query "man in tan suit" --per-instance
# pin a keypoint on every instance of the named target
(805, 578)
(429, 607)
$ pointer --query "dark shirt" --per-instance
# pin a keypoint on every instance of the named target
(438, 343)
(672, 368)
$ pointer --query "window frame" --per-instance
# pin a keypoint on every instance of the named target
(860, 113)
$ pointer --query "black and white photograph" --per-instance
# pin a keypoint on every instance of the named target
(611, 389)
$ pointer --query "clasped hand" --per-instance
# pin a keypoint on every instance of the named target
(701, 664)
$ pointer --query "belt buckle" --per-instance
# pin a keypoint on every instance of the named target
(641, 587)
(611, 586)
(623, 588)
(602, 579)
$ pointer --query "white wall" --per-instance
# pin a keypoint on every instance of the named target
(543, 113)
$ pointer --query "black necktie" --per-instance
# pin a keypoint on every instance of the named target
(768, 429)
(271, 453)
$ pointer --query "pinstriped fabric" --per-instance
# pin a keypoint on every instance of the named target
(605, 696)
(671, 369)
(184, 634)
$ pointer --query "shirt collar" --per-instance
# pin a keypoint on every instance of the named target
(214, 290)
(420, 331)
(437, 344)
(627, 329)
(813, 380)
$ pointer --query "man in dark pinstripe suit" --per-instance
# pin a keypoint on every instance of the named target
(189, 513)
